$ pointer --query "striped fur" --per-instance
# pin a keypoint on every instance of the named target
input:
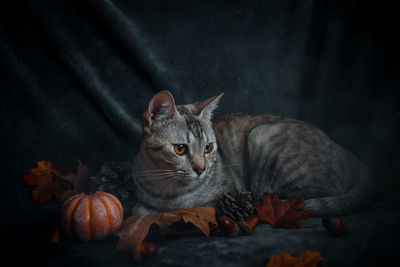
(261, 153)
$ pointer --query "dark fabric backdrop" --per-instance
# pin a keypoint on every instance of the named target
(76, 76)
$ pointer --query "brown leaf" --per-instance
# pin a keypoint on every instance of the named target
(304, 259)
(42, 172)
(80, 181)
(51, 181)
(43, 177)
(282, 214)
(46, 189)
(135, 228)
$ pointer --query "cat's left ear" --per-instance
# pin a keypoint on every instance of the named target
(206, 108)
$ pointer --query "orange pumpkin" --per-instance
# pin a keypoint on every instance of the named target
(91, 216)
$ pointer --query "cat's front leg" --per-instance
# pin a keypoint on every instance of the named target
(140, 209)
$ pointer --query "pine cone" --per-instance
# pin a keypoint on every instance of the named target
(116, 178)
(237, 205)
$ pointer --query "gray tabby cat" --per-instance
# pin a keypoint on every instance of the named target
(187, 160)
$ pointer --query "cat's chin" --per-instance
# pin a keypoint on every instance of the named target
(195, 179)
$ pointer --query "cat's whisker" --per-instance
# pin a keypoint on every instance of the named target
(161, 170)
(156, 174)
(171, 185)
(156, 171)
(172, 181)
(152, 177)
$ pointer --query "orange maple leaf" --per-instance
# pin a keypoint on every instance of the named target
(42, 177)
(51, 181)
(42, 172)
(282, 214)
(304, 259)
(46, 189)
(135, 228)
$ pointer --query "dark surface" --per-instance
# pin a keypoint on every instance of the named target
(371, 240)
(76, 77)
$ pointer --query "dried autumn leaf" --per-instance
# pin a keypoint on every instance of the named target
(135, 228)
(51, 181)
(46, 189)
(282, 214)
(80, 181)
(42, 177)
(304, 259)
(43, 171)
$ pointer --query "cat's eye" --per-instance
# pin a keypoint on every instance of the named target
(208, 148)
(180, 149)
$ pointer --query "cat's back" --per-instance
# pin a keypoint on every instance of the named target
(239, 123)
(294, 158)
(236, 127)
(232, 132)
(237, 133)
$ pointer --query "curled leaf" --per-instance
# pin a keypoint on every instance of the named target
(41, 173)
(43, 177)
(44, 191)
(135, 228)
(51, 181)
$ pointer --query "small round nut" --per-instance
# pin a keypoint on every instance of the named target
(228, 226)
(144, 251)
(335, 225)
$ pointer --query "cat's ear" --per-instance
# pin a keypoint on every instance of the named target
(206, 108)
(161, 107)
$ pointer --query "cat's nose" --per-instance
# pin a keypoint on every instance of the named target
(199, 171)
(198, 164)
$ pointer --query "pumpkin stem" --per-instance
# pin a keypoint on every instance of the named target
(84, 184)
(90, 186)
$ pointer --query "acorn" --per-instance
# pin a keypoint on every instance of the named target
(335, 225)
(228, 226)
(252, 221)
(144, 251)
(248, 224)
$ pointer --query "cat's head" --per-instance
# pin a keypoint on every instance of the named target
(179, 140)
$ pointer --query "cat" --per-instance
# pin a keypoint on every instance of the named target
(187, 160)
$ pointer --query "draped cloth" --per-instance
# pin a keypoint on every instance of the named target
(76, 77)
